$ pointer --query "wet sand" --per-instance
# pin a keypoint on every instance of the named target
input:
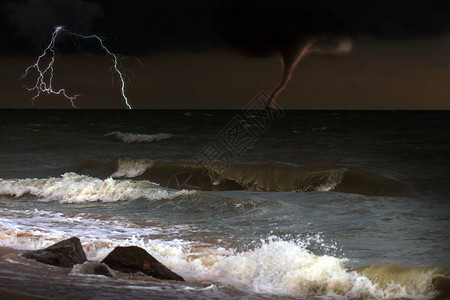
(16, 296)
(12, 293)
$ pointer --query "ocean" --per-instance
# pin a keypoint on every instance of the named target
(244, 204)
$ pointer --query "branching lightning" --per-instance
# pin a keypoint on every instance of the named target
(44, 81)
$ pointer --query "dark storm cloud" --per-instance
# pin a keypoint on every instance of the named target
(289, 29)
(293, 28)
(36, 19)
(263, 27)
(255, 27)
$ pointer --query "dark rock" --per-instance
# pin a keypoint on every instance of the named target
(94, 268)
(66, 253)
(134, 259)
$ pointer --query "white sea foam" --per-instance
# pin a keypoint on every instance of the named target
(34, 229)
(128, 137)
(276, 267)
(74, 188)
(132, 167)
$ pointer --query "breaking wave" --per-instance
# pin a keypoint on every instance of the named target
(128, 137)
(416, 282)
(288, 178)
(257, 177)
(275, 267)
(74, 188)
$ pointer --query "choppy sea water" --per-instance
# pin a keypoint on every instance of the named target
(305, 204)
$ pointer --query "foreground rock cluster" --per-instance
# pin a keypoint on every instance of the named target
(66, 254)
(131, 259)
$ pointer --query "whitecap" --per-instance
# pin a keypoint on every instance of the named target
(128, 137)
(74, 188)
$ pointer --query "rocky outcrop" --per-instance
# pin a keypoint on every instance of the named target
(134, 259)
(66, 253)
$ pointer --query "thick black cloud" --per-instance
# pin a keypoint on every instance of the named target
(35, 20)
(254, 27)
(260, 27)
(390, 18)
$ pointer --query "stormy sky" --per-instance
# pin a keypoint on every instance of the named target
(221, 53)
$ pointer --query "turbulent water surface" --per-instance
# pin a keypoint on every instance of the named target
(310, 204)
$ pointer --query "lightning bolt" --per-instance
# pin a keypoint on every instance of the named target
(44, 81)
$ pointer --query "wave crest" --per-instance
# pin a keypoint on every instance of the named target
(74, 188)
(132, 168)
(261, 177)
